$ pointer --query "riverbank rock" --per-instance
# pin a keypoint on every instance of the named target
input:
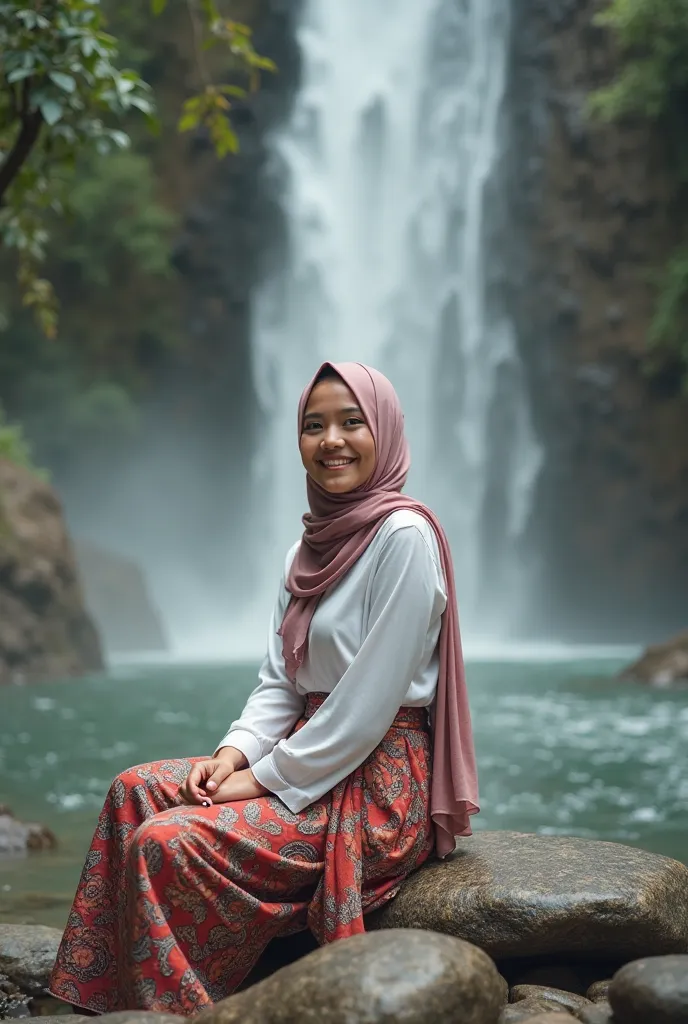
(518, 895)
(118, 597)
(120, 1017)
(27, 955)
(662, 664)
(45, 631)
(654, 989)
(415, 976)
(17, 837)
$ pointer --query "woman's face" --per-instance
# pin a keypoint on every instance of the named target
(337, 447)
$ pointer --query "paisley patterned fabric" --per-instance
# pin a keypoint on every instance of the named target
(176, 903)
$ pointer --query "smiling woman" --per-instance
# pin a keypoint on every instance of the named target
(329, 789)
(337, 446)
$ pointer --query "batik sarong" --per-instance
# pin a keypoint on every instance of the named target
(176, 903)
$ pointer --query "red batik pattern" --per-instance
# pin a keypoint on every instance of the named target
(176, 903)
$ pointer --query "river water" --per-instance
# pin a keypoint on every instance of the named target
(563, 749)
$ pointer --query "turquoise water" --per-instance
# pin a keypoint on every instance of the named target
(563, 748)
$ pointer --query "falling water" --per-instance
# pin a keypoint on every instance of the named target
(390, 166)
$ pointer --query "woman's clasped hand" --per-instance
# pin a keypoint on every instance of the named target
(220, 779)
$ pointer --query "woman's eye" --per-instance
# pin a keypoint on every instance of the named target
(354, 420)
(308, 427)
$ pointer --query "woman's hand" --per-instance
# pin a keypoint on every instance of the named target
(206, 777)
(241, 785)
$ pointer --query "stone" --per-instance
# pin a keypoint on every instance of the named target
(653, 989)
(139, 1017)
(518, 895)
(27, 955)
(17, 837)
(118, 597)
(408, 975)
(569, 1000)
(45, 630)
(599, 991)
(597, 1013)
(661, 664)
(534, 1009)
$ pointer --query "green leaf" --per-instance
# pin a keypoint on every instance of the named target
(233, 90)
(158, 6)
(51, 111)
(187, 122)
(63, 81)
(18, 74)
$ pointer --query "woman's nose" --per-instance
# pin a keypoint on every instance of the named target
(332, 438)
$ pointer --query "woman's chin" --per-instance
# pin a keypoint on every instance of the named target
(338, 484)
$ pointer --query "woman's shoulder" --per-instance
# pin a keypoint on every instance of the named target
(403, 526)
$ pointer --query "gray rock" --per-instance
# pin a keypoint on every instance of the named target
(597, 1013)
(18, 837)
(599, 991)
(534, 1009)
(408, 975)
(139, 1017)
(13, 1002)
(662, 664)
(27, 955)
(526, 895)
(654, 989)
(63, 1018)
(557, 996)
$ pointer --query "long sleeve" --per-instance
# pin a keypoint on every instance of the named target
(407, 595)
(275, 704)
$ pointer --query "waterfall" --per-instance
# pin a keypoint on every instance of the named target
(390, 187)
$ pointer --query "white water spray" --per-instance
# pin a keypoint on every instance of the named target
(391, 160)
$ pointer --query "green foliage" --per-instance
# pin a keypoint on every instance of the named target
(117, 226)
(652, 36)
(15, 447)
(669, 329)
(59, 86)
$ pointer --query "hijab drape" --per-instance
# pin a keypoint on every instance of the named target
(337, 530)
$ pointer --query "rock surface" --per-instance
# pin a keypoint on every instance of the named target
(411, 976)
(45, 631)
(569, 1000)
(27, 955)
(661, 664)
(599, 991)
(522, 895)
(17, 837)
(117, 596)
(597, 1013)
(653, 989)
(534, 1009)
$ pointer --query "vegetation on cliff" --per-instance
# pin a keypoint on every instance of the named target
(652, 82)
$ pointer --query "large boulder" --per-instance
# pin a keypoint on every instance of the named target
(662, 664)
(45, 631)
(409, 977)
(19, 836)
(517, 895)
(654, 989)
(118, 597)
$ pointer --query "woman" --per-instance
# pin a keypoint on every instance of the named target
(320, 799)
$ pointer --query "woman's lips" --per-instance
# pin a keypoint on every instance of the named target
(336, 464)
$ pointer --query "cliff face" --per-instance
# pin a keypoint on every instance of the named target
(593, 210)
(45, 631)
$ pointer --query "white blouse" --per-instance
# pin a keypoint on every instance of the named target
(372, 645)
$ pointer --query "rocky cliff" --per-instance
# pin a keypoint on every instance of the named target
(45, 631)
(593, 210)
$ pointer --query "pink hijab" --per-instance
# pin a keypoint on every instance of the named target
(338, 529)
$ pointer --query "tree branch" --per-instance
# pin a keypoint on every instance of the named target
(31, 125)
